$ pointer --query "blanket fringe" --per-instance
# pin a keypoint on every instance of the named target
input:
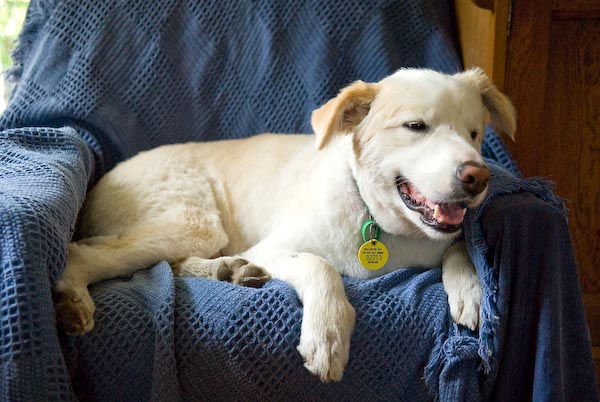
(37, 15)
(503, 183)
(433, 369)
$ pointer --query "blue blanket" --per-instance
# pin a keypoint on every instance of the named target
(101, 80)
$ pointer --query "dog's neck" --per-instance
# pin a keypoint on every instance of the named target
(359, 181)
(367, 213)
(390, 220)
(337, 185)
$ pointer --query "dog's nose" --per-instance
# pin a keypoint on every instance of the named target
(473, 177)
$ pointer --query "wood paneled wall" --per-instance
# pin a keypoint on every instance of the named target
(547, 59)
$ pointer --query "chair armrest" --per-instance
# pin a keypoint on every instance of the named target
(542, 343)
(44, 173)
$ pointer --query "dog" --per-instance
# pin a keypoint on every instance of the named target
(399, 159)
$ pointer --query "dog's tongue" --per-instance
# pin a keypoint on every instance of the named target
(448, 214)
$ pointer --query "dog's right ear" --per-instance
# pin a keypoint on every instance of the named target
(343, 113)
(502, 111)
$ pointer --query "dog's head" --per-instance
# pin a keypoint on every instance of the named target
(417, 144)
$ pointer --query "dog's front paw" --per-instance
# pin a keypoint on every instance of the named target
(462, 286)
(74, 308)
(464, 299)
(325, 339)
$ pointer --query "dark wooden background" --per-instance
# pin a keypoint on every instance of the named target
(545, 54)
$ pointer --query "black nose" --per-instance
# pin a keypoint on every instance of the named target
(473, 177)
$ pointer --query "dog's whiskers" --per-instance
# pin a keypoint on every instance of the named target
(400, 181)
(417, 233)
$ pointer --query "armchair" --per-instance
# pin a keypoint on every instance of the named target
(98, 81)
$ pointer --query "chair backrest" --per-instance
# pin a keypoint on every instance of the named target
(141, 73)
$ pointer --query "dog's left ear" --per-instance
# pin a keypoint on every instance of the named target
(502, 111)
(343, 113)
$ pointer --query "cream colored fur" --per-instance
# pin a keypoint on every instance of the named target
(227, 209)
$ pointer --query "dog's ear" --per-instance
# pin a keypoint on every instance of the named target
(344, 112)
(502, 111)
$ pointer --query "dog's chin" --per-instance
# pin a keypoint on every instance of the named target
(437, 219)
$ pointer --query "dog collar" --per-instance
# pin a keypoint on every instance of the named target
(370, 230)
(373, 254)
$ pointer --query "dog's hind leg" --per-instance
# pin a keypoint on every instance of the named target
(103, 257)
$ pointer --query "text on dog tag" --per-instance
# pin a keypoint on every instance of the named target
(373, 254)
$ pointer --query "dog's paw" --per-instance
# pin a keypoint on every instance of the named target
(325, 339)
(228, 269)
(462, 286)
(465, 302)
(247, 274)
(74, 308)
(242, 272)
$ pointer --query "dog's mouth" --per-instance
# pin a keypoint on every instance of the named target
(445, 217)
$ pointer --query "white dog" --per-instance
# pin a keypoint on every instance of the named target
(403, 152)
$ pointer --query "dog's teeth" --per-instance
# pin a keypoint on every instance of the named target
(464, 212)
(436, 212)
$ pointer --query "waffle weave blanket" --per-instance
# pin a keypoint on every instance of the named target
(98, 81)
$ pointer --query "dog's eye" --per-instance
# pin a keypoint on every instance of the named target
(416, 126)
(474, 134)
